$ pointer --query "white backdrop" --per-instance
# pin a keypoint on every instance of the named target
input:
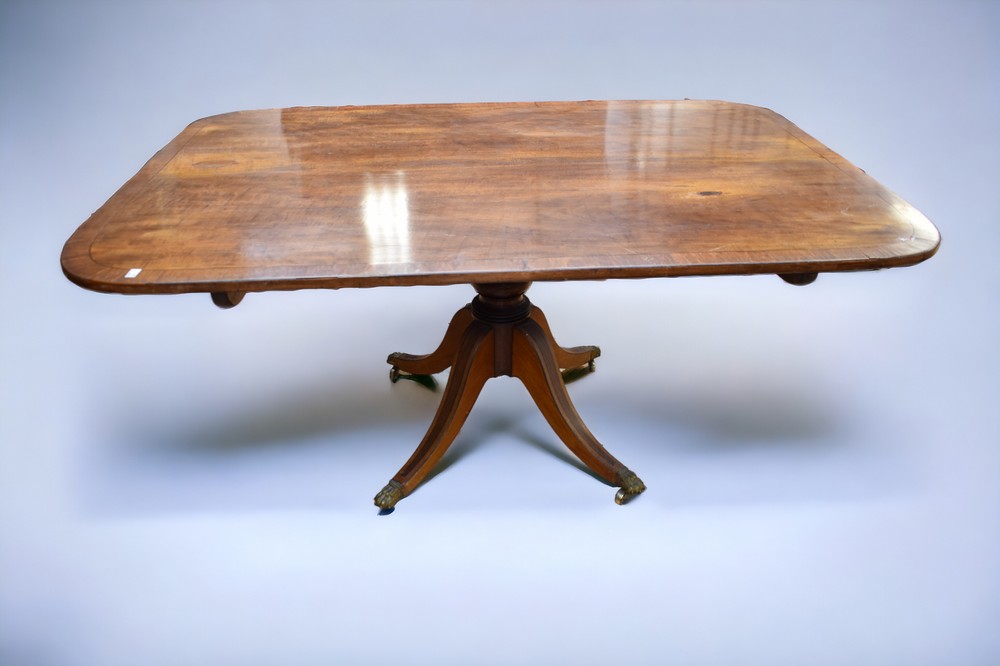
(182, 485)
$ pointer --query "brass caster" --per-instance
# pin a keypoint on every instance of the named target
(580, 372)
(388, 496)
(631, 484)
(427, 381)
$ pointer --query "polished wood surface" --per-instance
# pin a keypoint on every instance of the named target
(479, 193)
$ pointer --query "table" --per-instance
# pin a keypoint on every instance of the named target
(497, 196)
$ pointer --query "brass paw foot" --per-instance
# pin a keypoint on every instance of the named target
(388, 496)
(582, 359)
(631, 485)
(427, 381)
(580, 372)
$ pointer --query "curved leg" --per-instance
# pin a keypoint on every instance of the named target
(566, 357)
(473, 365)
(536, 366)
(419, 367)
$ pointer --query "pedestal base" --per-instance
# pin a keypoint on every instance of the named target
(502, 334)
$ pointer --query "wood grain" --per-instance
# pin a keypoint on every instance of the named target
(481, 193)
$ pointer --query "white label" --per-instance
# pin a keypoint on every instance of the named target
(132, 272)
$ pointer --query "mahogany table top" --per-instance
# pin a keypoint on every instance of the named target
(478, 193)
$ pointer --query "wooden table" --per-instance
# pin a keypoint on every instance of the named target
(496, 196)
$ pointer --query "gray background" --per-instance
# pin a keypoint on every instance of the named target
(182, 485)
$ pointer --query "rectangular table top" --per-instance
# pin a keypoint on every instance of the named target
(472, 193)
